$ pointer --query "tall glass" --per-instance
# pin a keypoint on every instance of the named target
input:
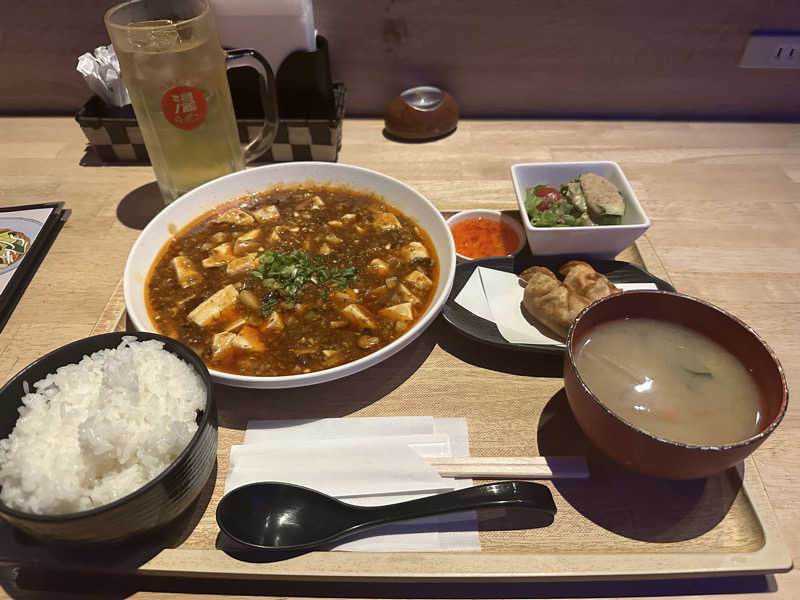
(174, 68)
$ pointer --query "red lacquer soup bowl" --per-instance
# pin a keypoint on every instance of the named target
(641, 450)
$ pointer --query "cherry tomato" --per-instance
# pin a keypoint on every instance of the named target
(549, 194)
(543, 191)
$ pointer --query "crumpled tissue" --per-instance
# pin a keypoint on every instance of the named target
(100, 70)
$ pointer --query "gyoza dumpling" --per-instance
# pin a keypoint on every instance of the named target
(550, 301)
(582, 279)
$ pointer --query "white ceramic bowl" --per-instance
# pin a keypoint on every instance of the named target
(599, 241)
(494, 215)
(230, 187)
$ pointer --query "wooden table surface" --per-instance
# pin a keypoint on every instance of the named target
(723, 198)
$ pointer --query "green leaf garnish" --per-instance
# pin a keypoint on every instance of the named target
(706, 374)
(286, 274)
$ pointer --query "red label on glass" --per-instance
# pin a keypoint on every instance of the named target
(184, 106)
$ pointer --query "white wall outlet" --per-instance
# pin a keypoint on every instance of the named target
(772, 51)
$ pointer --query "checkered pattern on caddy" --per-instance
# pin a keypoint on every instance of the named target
(301, 141)
(120, 140)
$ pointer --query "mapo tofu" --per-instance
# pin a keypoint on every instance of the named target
(292, 281)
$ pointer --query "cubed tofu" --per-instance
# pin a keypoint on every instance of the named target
(235, 324)
(317, 203)
(253, 234)
(348, 218)
(378, 266)
(186, 272)
(406, 295)
(219, 256)
(235, 216)
(385, 221)
(414, 251)
(249, 298)
(277, 232)
(274, 324)
(418, 280)
(211, 309)
(249, 340)
(222, 346)
(333, 239)
(358, 316)
(377, 293)
(242, 247)
(242, 265)
(345, 296)
(267, 213)
(398, 312)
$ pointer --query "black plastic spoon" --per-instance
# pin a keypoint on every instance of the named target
(288, 518)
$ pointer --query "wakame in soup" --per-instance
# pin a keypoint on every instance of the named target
(292, 281)
(670, 381)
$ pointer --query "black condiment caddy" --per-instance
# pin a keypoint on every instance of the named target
(310, 108)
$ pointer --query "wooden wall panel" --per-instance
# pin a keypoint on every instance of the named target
(658, 58)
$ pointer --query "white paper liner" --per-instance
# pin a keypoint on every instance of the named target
(497, 297)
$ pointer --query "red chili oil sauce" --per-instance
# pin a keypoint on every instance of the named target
(479, 238)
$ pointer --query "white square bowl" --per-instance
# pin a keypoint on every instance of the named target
(599, 241)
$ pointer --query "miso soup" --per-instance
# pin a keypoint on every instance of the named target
(670, 381)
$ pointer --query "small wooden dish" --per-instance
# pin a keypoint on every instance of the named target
(421, 113)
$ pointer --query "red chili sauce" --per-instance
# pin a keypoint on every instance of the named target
(479, 238)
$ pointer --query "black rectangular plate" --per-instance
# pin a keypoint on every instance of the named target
(481, 330)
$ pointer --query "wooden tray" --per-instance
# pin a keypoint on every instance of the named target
(615, 525)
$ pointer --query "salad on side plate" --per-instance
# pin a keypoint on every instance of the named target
(586, 200)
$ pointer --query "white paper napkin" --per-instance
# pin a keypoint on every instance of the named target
(497, 296)
(504, 294)
(327, 429)
(432, 438)
(368, 461)
(339, 468)
(456, 429)
(473, 299)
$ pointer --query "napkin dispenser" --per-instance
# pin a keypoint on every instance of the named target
(303, 83)
(274, 28)
(310, 109)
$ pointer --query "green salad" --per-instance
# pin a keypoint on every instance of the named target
(586, 200)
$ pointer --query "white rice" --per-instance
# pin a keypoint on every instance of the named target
(95, 431)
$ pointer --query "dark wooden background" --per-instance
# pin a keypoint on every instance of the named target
(551, 58)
